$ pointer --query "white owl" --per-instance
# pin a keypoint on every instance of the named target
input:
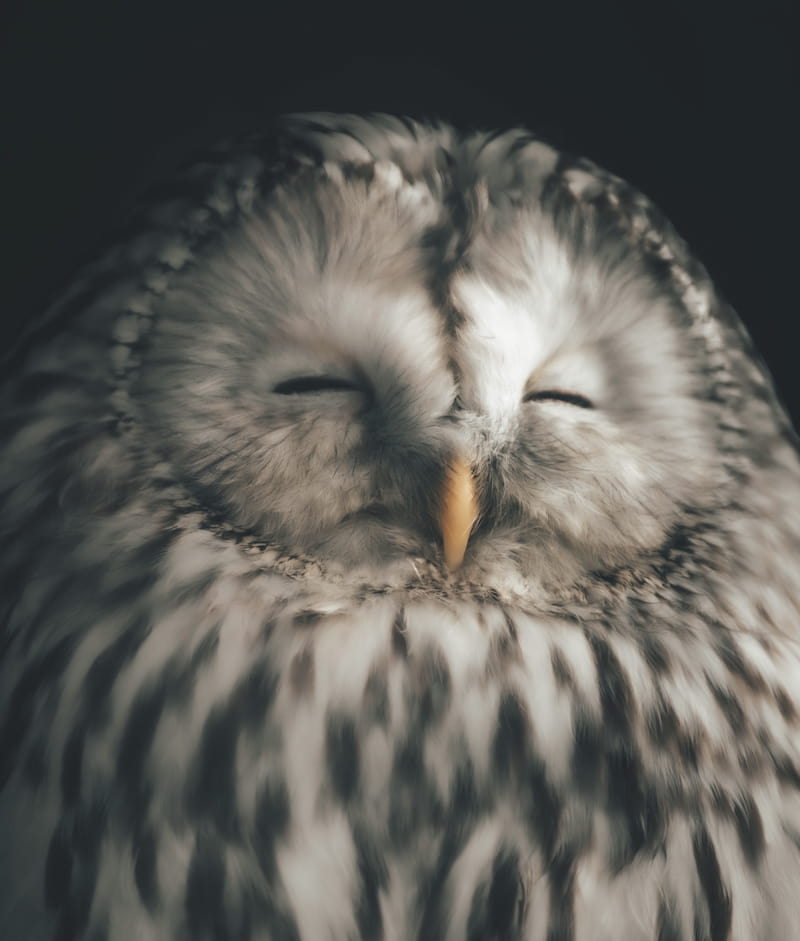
(400, 541)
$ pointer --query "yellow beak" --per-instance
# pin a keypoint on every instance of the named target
(458, 513)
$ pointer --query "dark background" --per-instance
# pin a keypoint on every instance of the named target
(693, 102)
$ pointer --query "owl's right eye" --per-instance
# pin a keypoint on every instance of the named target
(304, 385)
(557, 395)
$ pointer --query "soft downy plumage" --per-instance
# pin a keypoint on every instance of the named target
(243, 694)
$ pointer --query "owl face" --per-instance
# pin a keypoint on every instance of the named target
(314, 374)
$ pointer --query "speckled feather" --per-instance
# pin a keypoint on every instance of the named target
(243, 698)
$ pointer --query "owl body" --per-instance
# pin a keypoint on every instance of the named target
(245, 694)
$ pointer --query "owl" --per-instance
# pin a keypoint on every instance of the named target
(400, 542)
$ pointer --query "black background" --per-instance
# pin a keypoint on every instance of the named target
(695, 103)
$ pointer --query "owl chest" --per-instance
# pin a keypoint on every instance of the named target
(419, 757)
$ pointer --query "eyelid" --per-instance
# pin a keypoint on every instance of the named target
(557, 395)
(302, 385)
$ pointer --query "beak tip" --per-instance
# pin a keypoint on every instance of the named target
(453, 560)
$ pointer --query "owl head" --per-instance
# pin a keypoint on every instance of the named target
(409, 343)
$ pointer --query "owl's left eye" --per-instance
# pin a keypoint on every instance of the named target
(556, 395)
(302, 385)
